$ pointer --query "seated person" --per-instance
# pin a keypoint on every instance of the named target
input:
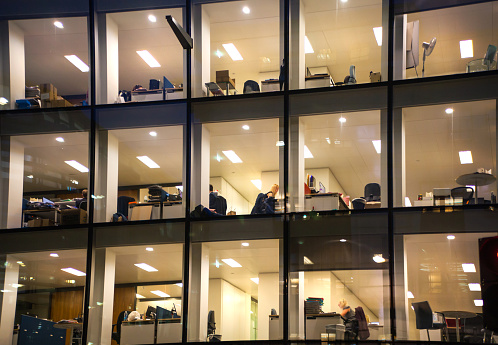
(265, 203)
(212, 198)
(84, 193)
(349, 318)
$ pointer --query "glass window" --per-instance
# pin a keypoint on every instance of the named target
(144, 57)
(49, 63)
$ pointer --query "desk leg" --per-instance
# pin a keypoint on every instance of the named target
(477, 199)
(457, 321)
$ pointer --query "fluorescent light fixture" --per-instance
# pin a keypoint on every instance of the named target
(478, 302)
(149, 249)
(469, 268)
(377, 145)
(232, 51)
(3, 101)
(450, 237)
(308, 49)
(217, 263)
(153, 134)
(246, 127)
(73, 271)
(342, 240)
(17, 285)
(449, 111)
(342, 119)
(59, 25)
(139, 295)
(179, 284)
(245, 244)
(307, 261)
(378, 35)
(160, 293)
(255, 280)
(280, 143)
(307, 152)
(344, 1)
(408, 203)
(78, 166)
(74, 181)
(83, 67)
(474, 287)
(54, 255)
(146, 267)
(149, 162)
(152, 18)
(5, 291)
(466, 49)
(71, 281)
(328, 140)
(148, 58)
(378, 258)
(257, 183)
(465, 157)
(231, 262)
(232, 156)
(60, 139)
(218, 53)
(246, 10)
(30, 176)
(409, 294)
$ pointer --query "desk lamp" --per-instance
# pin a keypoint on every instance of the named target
(428, 48)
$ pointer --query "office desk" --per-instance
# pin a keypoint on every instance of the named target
(72, 327)
(156, 95)
(51, 214)
(137, 332)
(169, 331)
(322, 80)
(373, 204)
(324, 202)
(314, 324)
(152, 210)
(475, 179)
(270, 85)
(457, 315)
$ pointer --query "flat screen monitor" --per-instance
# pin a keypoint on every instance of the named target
(150, 310)
(163, 313)
(412, 52)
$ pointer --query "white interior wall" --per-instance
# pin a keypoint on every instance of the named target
(112, 59)
(267, 300)
(235, 201)
(17, 64)
(16, 180)
(325, 176)
(166, 304)
(112, 176)
(206, 49)
(199, 297)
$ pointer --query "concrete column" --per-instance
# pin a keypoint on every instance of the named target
(17, 64)
(201, 55)
(4, 63)
(267, 300)
(399, 47)
(107, 59)
(9, 278)
(399, 165)
(385, 37)
(401, 289)
(102, 297)
(296, 306)
(15, 184)
(106, 183)
(199, 292)
(297, 67)
(296, 165)
(383, 157)
(200, 165)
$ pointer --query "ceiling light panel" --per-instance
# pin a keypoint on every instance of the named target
(146, 267)
(307, 261)
(160, 293)
(307, 152)
(469, 268)
(232, 156)
(149, 162)
(465, 157)
(76, 61)
(232, 51)
(148, 58)
(139, 295)
(378, 35)
(152, 18)
(77, 165)
(466, 49)
(255, 280)
(73, 271)
(59, 25)
(257, 183)
(474, 287)
(308, 49)
(231, 262)
(377, 145)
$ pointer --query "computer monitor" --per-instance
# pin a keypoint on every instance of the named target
(47, 201)
(163, 313)
(167, 84)
(150, 310)
(412, 52)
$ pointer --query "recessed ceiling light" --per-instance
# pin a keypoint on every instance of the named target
(54, 255)
(344, 1)
(73, 271)
(409, 294)
(342, 240)
(149, 162)
(71, 281)
(148, 58)
(139, 295)
(231, 262)
(232, 156)
(60, 139)
(246, 10)
(153, 134)
(378, 258)
(146, 267)
(257, 183)
(149, 249)
(246, 127)
(377, 145)
(3, 101)
(74, 181)
(160, 293)
(469, 268)
(30, 176)
(466, 49)
(450, 237)
(59, 25)
(342, 119)
(449, 111)
(152, 18)
(478, 302)
(328, 140)
(83, 67)
(217, 263)
(255, 280)
(245, 244)
(465, 157)
(76, 165)
(307, 261)
(378, 35)
(474, 287)
(232, 51)
(308, 49)
(280, 143)
(218, 53)
(179, 284)
(307, 152)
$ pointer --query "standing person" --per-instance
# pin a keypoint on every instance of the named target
(265, 203)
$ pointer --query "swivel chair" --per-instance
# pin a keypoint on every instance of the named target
(425, 319)
(466, 193)
(372, 192)
(117, 335)
(251, 86)
(123, 202)
(358, 203)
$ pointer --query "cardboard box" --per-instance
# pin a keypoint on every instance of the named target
(222, 76)
(59, 103)
(375, 77)
(37, 222)
(48, 92)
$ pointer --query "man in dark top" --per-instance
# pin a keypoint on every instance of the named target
(84, 193)
(212, 198)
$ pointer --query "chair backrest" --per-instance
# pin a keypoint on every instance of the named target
(251, 86)
(119, 321)
(466, 193)
(83, 205)
(123, 202)
(221, 205)
(423, 314)
(211, 322)
(372, 192)
(358, 203)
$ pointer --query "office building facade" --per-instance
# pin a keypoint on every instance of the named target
(375, 118)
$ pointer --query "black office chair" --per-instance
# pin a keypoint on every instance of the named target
(372, 192)
(473, 330)
(123, 202)
(358, 203)
(212, 328)
(425, 320)
(466, 193)
(83, 205)
(251, 86)
(117, 335)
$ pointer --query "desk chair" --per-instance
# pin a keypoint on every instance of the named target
(358, 204)
(251, 86)
(123, 202)
(215, 89)
(425, 320)
(83, 205)
(473, 330)
(466, 193)
(372, 192)
(117, 335)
